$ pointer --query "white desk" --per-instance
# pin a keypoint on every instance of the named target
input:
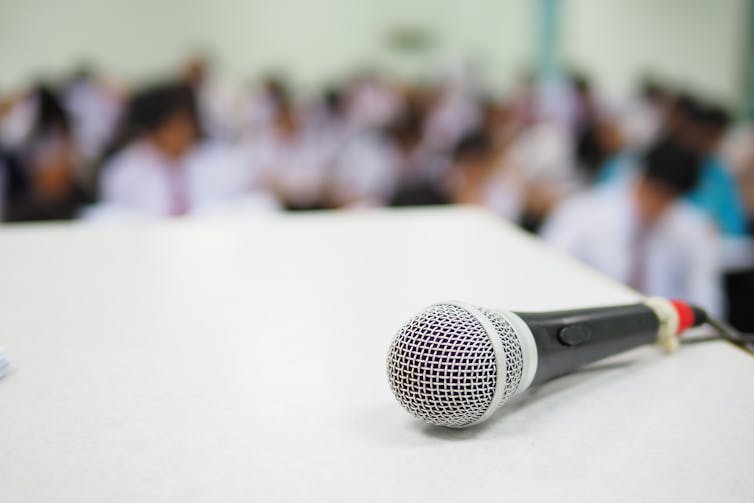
(244, 361)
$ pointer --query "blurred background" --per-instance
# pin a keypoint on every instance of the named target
(620, 131)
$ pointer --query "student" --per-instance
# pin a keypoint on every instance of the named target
(738, 153)
(365, 171)
(676, 114)
(700, 128)
(454, 115)
(48, 162)
(4, 169)
(421, 171)
(217, 99)
(94, 106)
(598, 146)
(481, 178)
(717, 192)
(259, 107)
(290, 160)
(640, 121)
(643, 233)
(148, 174)
(12, 179)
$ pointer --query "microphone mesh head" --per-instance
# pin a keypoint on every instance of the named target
(443, 368)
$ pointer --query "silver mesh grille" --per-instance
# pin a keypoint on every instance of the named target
(442, 365)
(512, 348)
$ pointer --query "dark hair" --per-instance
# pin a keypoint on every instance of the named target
(473, 146)
(278, 89)
(150, 108)
(688, 106)
(651, 89)
(671, 165)
(333, 100)
(580, 82)
(714, 116)
(590, 153)
(50, 111)
(407, 127)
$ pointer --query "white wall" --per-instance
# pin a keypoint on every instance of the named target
(310, 40)
(696, 41)
(699, 44)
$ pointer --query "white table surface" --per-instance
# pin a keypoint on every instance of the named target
(244, 361)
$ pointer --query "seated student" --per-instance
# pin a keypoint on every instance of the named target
(364, 172)
(700, 128)
(421, 172)
(643, 233)
(44, 185)
(290, 160)
(94, 105)
(716, 192)
(640, 120)
(216, 98)
(738, 153)
(147, 174)
(676, 113)
(480, 177)
(599, 148)
(258, 107)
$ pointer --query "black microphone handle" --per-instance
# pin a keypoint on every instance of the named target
(567, 340)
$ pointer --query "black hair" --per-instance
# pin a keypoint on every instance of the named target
(333, 100)
(82, 73)
(671, 165)
(687, 106)
(651, 89)
(150, 108)
(581, 83)
(590, 152)
(474, 146)
(714, 116)
(407, 127)
(50, 112)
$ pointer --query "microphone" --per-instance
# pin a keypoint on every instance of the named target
(455, 364)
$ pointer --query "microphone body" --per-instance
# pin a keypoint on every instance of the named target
(454, 364)
(567, 340)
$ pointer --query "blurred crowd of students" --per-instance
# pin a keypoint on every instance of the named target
(648, 191)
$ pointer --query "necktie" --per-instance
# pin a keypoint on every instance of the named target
(179, 201)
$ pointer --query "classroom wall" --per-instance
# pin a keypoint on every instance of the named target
(699, 41)
(312, 41)
(700, 44)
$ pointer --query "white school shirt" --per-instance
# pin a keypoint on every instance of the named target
(454, 116)
(212, 175)
(680, 254)
(365, 171)
(503, 193)
(141, 179)
(95, 113)
(296, 166)
(218, 108)
(640, 124)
